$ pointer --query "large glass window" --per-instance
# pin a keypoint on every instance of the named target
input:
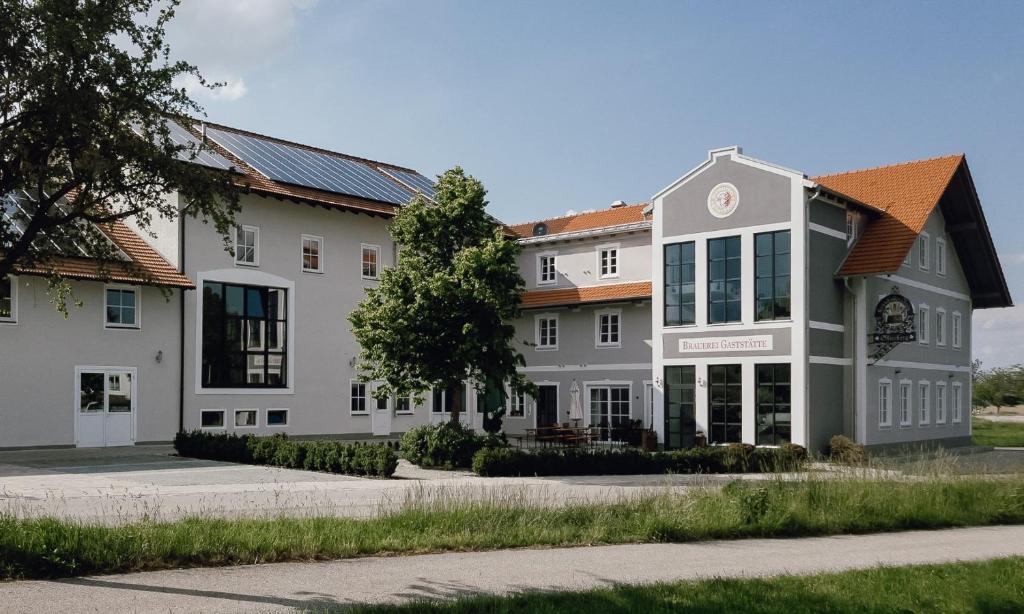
(680, 406)
(609, 410)
(680, 289)
(726, 403)
(6, 299)
(724, 285)
(774, 418)
(771, 270)
(244, 329)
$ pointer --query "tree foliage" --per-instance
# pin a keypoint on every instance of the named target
(86, 87)
(999, 387)
(444, 313)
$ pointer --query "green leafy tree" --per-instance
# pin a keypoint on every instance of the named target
(86, 87)
(1000, 387)
(444, 313)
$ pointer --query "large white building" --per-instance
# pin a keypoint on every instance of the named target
(738, 305)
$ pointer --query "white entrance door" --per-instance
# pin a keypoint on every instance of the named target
(380, 417)
(105, 406)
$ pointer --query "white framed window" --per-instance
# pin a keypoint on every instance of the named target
(357, 397)
(885, 403)
(851, 228)
(608, 328)
(923, 251)
(247, 418)
(958, 331)
(940, 402)
(121, 307)
(906, 403)
(517, 404)
(277, 417)
(247, 245)
(546, 272)
(9, 300)
(924, 323)
(211, 418)
(608, 261)
(381, 403)
(940, 256)
(547, 331)
(312, 254)
(405, 405)
(940, 326)
(924, 393)
(957, 402)
(370, 261)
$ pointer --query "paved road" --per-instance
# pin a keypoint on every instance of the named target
(297, 586)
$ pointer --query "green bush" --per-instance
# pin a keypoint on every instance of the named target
(413, 445)
(842, 449)
(328, 456)
(622, 461)
(447, 445)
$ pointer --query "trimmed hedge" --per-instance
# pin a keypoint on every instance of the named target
(373, 459)
(446, 445)
(734, 458)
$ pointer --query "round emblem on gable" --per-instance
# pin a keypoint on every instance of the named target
(723, 199)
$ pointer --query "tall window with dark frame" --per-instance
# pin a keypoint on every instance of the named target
(726, 403)
(771, 271)
(680, 289)
(244, 330)
(725, 290)
(774, 417)
(680, 406)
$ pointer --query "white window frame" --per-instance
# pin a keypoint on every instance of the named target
(554, 268)
(352, 398)
(405, 412)
(138, 307)
(924, 410)
(957, 324)
(924, 323)
(516, 397)
(940, 327)
(924, 251)
(363, 247)
(906, 403)
(851, 228)
(941, 400)
(940, 256)
(610, 248)
(885, 403)
(537, 336)
(223, 419)
(13, 318)
(597, 328)
(245, 427)
(909, 258)
(255, 245)
(320, 253)
(287, 417)
(956, 402)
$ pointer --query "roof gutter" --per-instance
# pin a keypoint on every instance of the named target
(584, 234)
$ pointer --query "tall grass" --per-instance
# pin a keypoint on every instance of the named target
(1002, 434)
(447, 520)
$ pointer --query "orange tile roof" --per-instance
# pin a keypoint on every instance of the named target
(614, 216)
(587, 294)
(146, 266)
(906, 193)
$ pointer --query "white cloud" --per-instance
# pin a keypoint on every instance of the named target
(228, 38)
(999, 336)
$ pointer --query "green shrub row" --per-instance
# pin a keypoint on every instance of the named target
(329, 456)
(447, 445)
(734, 458)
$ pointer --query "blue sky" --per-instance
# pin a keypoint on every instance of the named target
(560, 106)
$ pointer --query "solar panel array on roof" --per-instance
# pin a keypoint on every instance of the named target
(204, 156)
(298, 166)
(412, 179)
(18, 208)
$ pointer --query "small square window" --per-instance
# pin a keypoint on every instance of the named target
(122, 308)
(312, 254)
(277, 417)
(247, 240)
(403, 405)
(370, 261)
(357, 404)
(246, 418)
(211, 418)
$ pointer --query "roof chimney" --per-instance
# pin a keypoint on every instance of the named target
(618, 203)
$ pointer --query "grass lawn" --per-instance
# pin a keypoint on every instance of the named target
(1004, 434)
(989, 586)
(43, 548)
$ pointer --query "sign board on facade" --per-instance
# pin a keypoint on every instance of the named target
(894, 320)
(746, 343)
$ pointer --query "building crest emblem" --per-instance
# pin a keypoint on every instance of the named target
(894, 323)
(723, 200)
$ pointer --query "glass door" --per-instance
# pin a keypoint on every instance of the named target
(680, 407)
(105, 415)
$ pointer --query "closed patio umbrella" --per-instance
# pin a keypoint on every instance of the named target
(576, 403)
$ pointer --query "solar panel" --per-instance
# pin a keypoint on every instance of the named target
(412, 179)
(204, 156)
(302, 167)
(18, 208)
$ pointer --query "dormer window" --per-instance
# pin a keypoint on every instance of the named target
(540, 229)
